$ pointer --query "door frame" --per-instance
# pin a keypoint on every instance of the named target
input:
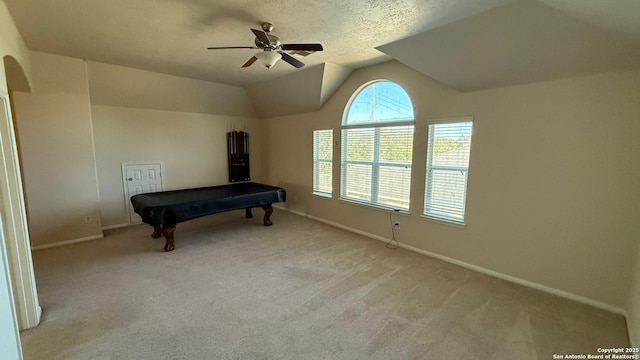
(14, 217)
(126, 187)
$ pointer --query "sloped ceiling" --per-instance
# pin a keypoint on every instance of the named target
(522, 42)
(619, 16)
(334, 76)
(301, 92)
(126, 87)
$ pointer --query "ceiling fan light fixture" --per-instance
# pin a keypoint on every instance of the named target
(272, 49)
(268, 58)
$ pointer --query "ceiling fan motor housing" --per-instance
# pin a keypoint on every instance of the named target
(275, 42)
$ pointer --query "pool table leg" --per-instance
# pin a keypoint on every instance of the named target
(268, 210)
(167, 231)
(157, 232)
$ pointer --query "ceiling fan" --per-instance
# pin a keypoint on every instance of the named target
(272, 49)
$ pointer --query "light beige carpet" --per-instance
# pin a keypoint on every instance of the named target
(234, 289)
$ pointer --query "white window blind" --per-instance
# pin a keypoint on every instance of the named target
(448, 152)
(376, 165)
(322, 162)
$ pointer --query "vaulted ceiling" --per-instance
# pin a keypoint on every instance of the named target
(521, 42)
(467, 44)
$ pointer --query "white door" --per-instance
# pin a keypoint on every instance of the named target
(138, 179)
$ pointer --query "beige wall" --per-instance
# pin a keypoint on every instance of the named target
(192, 148)
(56, 143)
(552, 185)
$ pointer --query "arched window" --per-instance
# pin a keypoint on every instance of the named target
(377, 146)
(379, 102)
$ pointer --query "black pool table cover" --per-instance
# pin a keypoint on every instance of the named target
(168, 208)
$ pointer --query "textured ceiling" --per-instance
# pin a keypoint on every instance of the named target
(171, 36)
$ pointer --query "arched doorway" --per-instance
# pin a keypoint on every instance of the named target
(16, 78)
(12, 205)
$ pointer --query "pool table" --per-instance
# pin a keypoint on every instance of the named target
(164, 209)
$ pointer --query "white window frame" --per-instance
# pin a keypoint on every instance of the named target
(316, 164)
(375, 163)
(429, 166)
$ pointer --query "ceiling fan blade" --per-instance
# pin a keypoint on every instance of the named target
(262, 36)
(291, 60)
(250, 62)
(231, 47)
(307, 47)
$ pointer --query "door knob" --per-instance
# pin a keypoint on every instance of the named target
(130, 179)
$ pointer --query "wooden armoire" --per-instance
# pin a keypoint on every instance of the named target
(238, 152)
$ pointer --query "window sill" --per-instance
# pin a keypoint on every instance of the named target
(324, 195)
(375, 207)
(444, 222)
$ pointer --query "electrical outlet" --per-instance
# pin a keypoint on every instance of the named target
(87, 219)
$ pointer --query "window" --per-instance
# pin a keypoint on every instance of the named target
(322, 162)
(448, 151)
(377, 147)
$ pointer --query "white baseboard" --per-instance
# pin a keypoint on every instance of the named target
(531, 284)
(513, 279)
(38, 315)
(117, 226)
(67, 242)
(633, 336)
